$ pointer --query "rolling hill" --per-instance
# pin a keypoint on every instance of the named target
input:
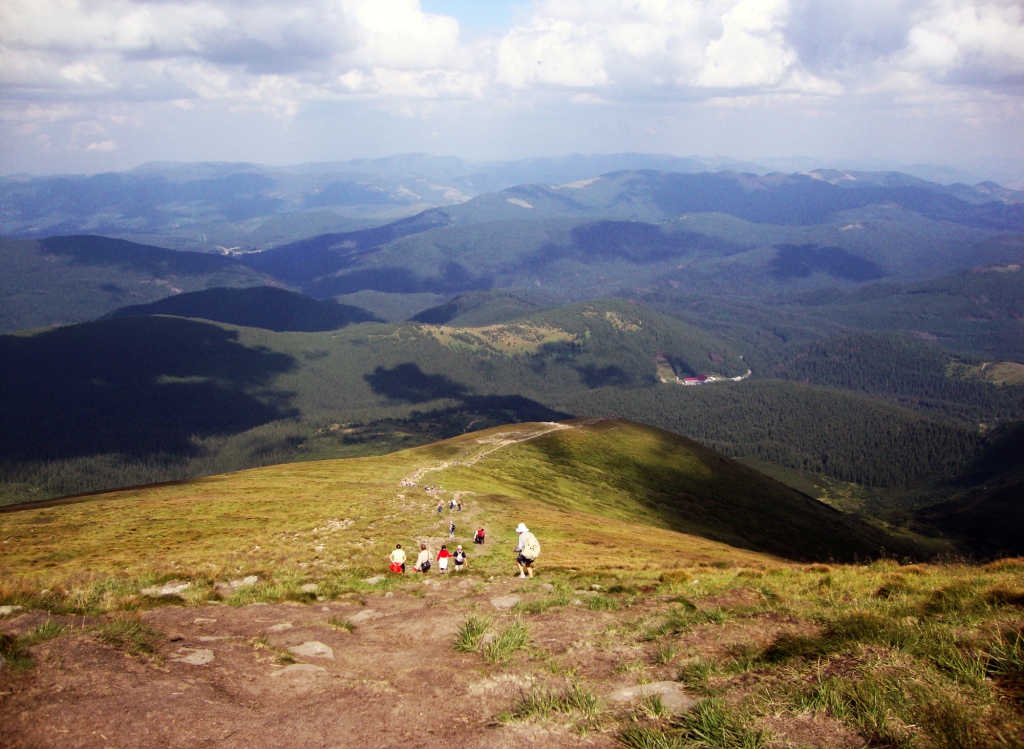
(73, 279)
(152, 398)
(256, 307)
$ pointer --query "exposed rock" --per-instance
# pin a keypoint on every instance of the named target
(389, 594)
(202, 620)
(374, 580)
(310, 588)
(672, 695)
(595, 586)
(280, 627)
(313, 649)
(547, 587)
(193, 656)
(245, 582)
(8, 610)
(170, 588)
(505, 602)
(364, 616)
(300, 669)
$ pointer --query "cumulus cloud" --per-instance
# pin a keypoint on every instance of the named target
(276, 57)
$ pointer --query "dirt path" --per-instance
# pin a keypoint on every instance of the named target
(394, 681)
(495, 442)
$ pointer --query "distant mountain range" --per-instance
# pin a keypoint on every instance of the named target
(216, 207)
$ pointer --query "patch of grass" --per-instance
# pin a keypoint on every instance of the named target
(14, 654)
(129, 633)
(601, 603)
(514, 637)
(281, 655)
(665, 654)
(712, 724)
(580, 705)
(624, 667)
(471, 632)
(339, 623)
(697, 673)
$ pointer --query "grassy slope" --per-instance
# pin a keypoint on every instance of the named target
(264, 519)
(605, 494)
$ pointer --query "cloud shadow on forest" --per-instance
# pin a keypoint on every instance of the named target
(139, 386)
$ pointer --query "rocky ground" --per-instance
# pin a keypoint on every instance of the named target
(221, 675)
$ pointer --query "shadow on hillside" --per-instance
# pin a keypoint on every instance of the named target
(134, 386)
(407, 382)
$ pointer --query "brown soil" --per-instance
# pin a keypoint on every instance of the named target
(394, 681)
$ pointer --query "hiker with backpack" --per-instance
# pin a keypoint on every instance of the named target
(527, 550)
(460, 558)
(423, 560)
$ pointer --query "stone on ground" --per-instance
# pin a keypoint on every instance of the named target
(364, 616)
(193, 656)
(505, 602)
(170, 588)
(300, 669)
(313, 649)
(8, 610)
(672, 696)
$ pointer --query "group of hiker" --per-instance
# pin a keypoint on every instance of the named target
(527, 550)
(423, 563)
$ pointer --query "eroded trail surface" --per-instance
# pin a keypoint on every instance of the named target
(218, 678)
(373, 669)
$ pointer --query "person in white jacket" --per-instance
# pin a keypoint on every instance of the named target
(527, 550)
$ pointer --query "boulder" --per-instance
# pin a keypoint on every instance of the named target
(310, 588)
(8, 610)
(374, 580)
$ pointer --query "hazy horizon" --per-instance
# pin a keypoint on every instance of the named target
(107, 85)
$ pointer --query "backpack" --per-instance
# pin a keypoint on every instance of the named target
(531, 546)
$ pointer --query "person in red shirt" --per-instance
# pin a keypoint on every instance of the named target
(442, 559)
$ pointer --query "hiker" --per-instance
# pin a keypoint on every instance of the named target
(451, 529)
(460, 505)
(440, 508)
(451, 504)
(460, 558)
(442, 558)
(527, 551)
(479, 537)
(398, 560)
(423, 560)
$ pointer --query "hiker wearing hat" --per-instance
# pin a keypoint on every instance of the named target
(460, 558)
(527, 550)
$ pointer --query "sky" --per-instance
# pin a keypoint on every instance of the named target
(101, 85)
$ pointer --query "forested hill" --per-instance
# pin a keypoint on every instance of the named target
(257, 307)
(73, 279)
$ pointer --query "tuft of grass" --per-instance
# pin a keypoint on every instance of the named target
(129, 633)
(601, 603)
(281, 655)
(471, 632)
(514, 637)
(698, 673)
(640, 736)
(581, 705)
(14, 654)
(339, 623)
(712, 724)
(665, 654)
